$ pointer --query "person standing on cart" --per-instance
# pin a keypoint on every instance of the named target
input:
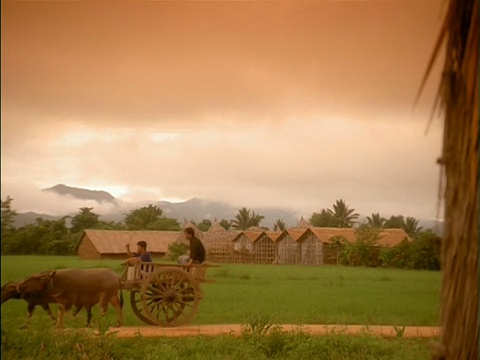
(197, 250)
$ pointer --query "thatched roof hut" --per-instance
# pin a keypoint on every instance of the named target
(288, 248)
(388, 237)
(218, 243)
(243, 248)
(110, 244)
(392, 237)
(265, 247)
(186, 224)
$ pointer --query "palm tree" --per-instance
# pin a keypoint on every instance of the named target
(411, 227)
(279, 225)
(342, 215)
(376, 220)
(243, 220)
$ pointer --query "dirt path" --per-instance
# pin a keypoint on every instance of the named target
(235, 329)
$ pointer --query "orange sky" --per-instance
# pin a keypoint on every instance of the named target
(237, 93)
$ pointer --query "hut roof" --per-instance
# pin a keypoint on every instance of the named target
(326, 234)
(295, 233)
(113, 241)
(186, 224)
(216, 227)
(388, 237)
(303, 224)
(274, 235)
(218, 235)
(252, 235)
(392, 237)
(255, 228)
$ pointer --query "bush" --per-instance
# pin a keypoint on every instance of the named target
(176, 249)
(421, 254)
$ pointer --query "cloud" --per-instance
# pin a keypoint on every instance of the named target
(257, 104)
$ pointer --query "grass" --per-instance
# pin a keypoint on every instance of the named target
(43, 342)
(260, 297)
(287, 294)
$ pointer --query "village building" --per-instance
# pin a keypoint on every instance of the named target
(334, 239)
(288, 247)
(110, 244)
(243, 249)
(218, 243)
(265, 247)
(303, 245)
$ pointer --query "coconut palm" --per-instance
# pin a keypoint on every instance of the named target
(342, 215)
(376, 220)
(243, 220)
(279, 225)
(411, 227)
(458, 93)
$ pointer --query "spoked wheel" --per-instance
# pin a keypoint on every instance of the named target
(170, 297)
(137, 307)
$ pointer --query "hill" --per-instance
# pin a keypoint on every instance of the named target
(195, 209)
(83, 194)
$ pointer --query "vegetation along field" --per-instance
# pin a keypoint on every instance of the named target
(245, 294)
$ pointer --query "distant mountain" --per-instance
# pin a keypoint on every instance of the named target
(194, 209)
(199, 209)
(83, 194)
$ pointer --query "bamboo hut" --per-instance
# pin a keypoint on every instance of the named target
(218, 244)
(265, 248)
(243, 248)
(458, 93)
(186, 224)
(332, 241)
(110, 244)
(311, 248)
(288, 247)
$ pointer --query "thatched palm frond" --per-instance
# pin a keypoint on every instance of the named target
(459, 98)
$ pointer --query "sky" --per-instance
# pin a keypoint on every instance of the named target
(286, 104)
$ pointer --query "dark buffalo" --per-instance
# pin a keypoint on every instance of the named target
(34, 299)
(76, 287)
(10, 291)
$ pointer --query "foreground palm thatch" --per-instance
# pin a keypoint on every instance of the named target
(459, 98)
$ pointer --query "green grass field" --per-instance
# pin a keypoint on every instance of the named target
(284, 294)
(241, 294)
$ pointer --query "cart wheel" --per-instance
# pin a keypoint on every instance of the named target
(137, 307)
(170, 296)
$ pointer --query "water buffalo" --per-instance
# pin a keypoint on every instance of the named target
(34, 299)
(76, 287)
(10, 291)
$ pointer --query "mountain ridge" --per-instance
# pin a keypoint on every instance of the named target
(84, 194)
(196, 209)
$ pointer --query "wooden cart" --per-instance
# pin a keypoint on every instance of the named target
(165, 294)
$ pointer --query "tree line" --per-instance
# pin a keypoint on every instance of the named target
(62, 236)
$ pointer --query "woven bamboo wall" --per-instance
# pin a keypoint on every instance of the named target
(288, 250)
(265, 250)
